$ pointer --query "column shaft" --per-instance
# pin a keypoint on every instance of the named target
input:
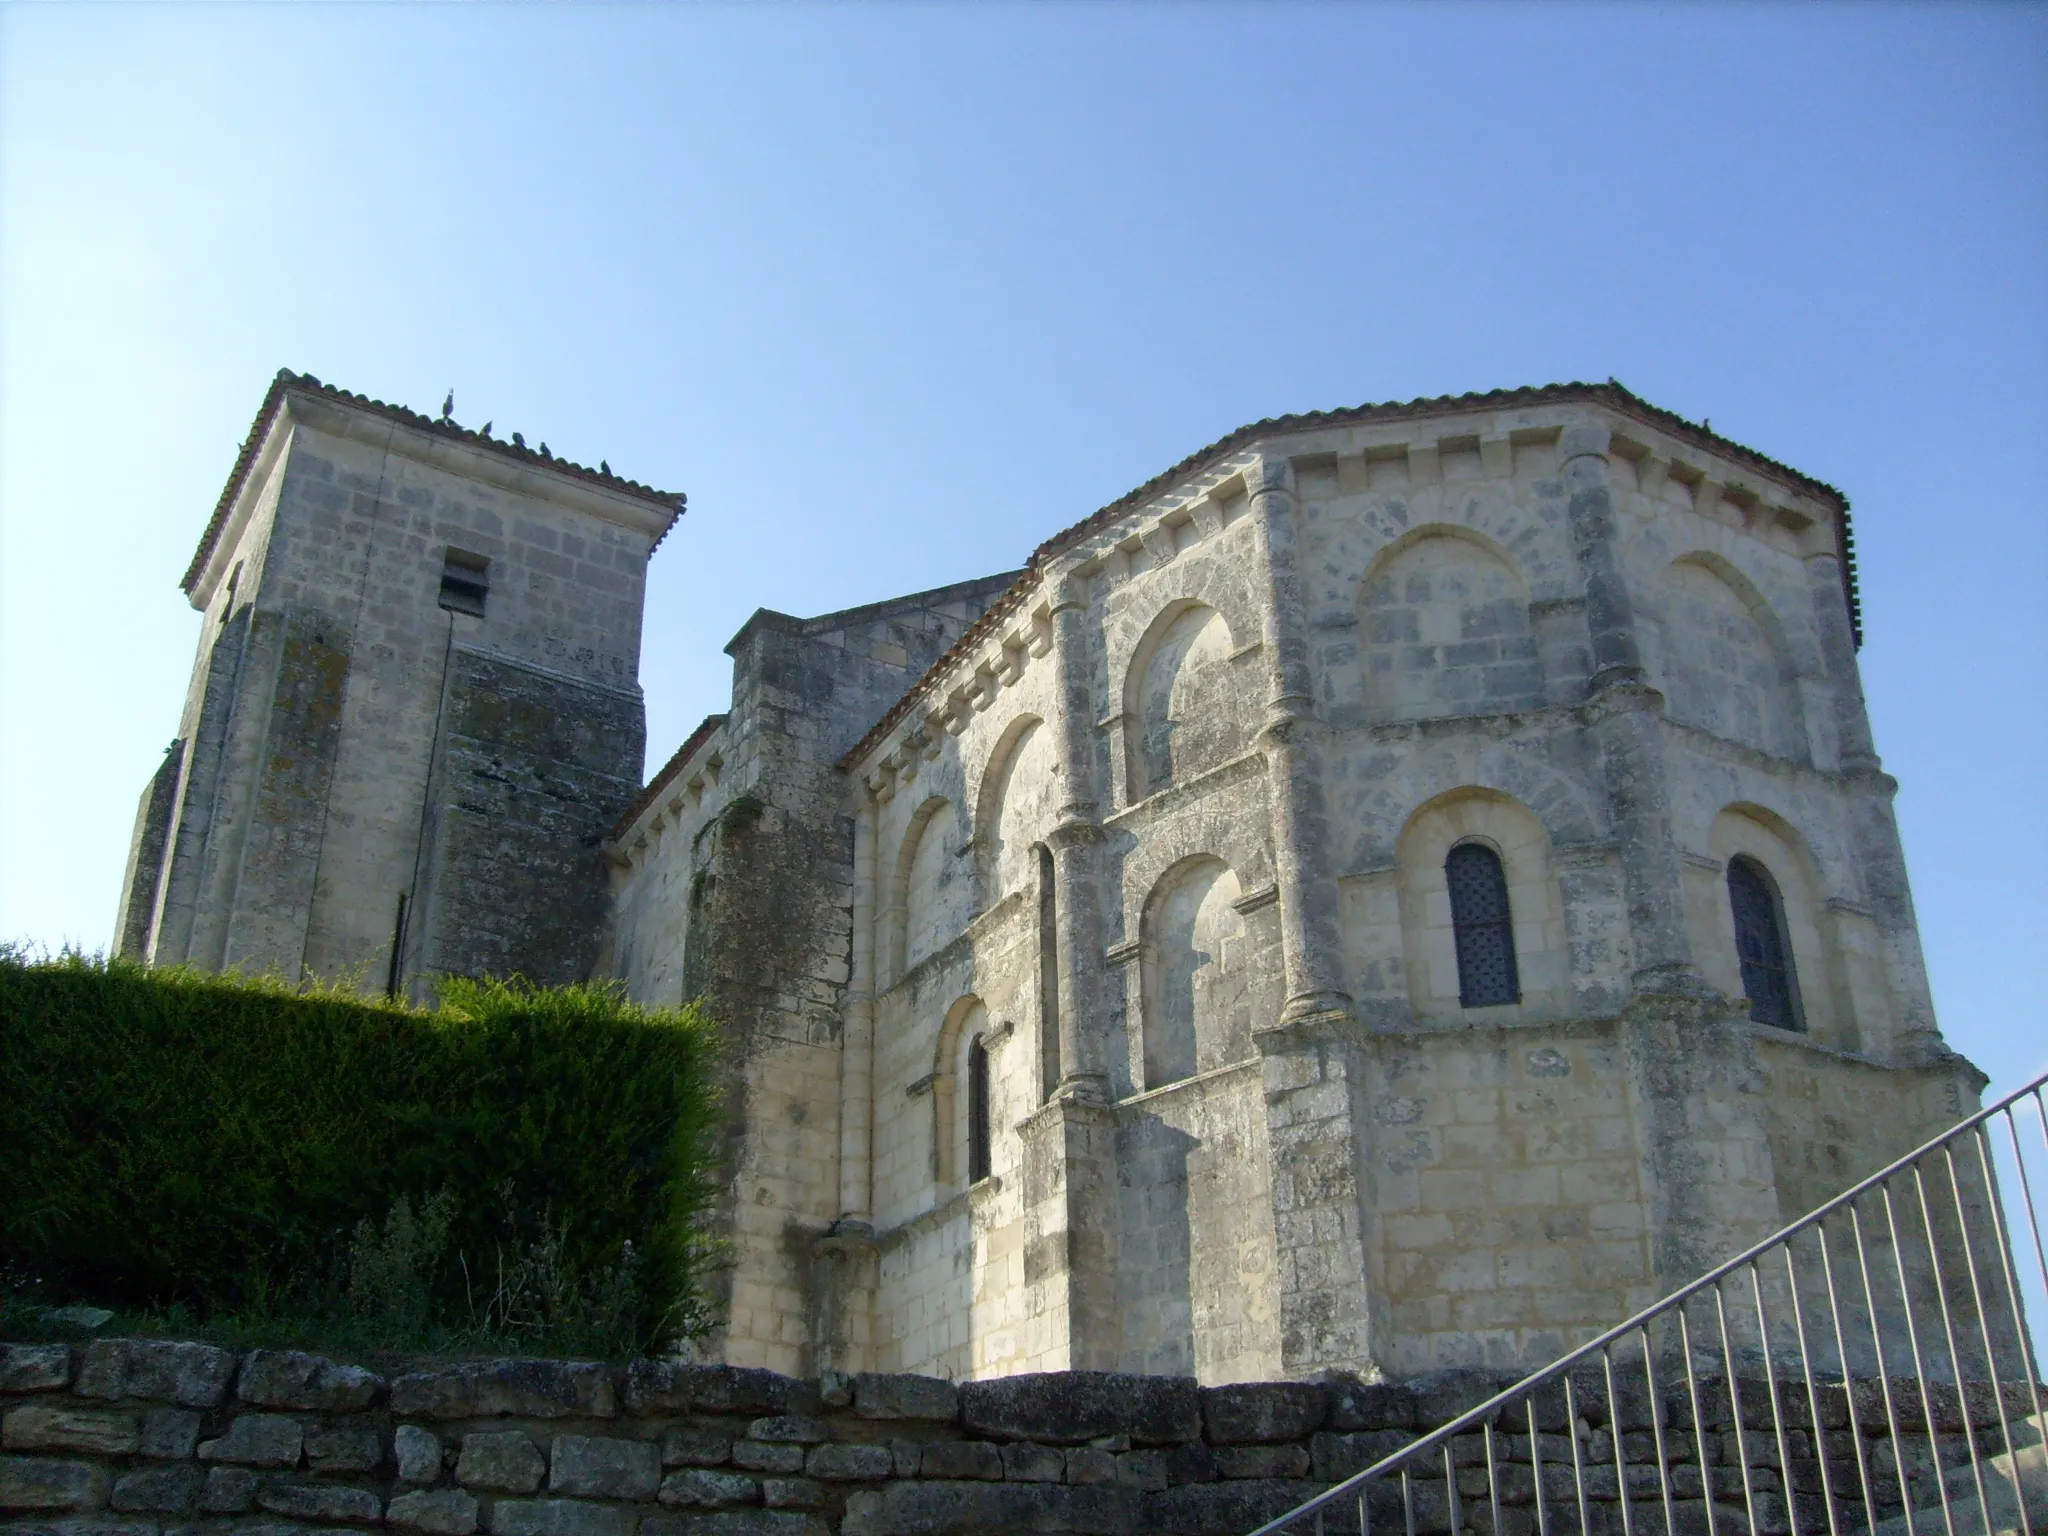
(1309, 940)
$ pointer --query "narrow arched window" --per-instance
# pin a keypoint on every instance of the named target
(1762, 945)
(977, 1112)
(1485, 934)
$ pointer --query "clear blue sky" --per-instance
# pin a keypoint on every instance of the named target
(893, 293)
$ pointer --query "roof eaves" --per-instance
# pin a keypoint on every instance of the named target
(286, 381)
(660, 781)
(1612, 393)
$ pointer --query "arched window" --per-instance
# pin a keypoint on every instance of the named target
(977, 1112)
(1485, 934)
(1762, 946)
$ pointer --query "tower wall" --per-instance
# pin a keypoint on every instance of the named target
(350, 743)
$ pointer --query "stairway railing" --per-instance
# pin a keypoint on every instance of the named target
(1867, 1371)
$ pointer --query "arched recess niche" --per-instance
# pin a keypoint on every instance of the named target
(1184, 708)
(1020, 791)
(1444, 629)
(1197, 984)
(1429, 942)
(1721, 658)
(921, 904)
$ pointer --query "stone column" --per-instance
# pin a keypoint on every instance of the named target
(1293, 739)
(1626, 716)
(1068, 1176)
(1313, 1054)
(857, 1032)
(1873, 828)
(844, 1262)
(1074, 839)
(1314, 1071)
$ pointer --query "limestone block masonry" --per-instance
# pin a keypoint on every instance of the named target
(1398, 892)
(144, 1437)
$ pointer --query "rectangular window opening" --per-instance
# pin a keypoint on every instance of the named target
(465, 582)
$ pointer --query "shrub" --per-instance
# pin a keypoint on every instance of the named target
(170, 1138)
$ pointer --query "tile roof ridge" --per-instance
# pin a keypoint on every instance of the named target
(286, 380)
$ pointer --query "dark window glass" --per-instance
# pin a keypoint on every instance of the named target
(465, 582)
(977, 1112)
(1762, 946)
(1486, 936)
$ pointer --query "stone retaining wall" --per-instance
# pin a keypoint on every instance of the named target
(130, 1437)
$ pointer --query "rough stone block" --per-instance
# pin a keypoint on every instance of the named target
(1143, 1470)
(503, 1461)
(228, 1491)
(701, 1488)
(90, 1525)
(419, 1454)
(562, 1517)
(324, 1502)
(1190, 1464)
(1025, 1462)
(1222, 1509)
(1371, 1405)
(343, 1449)
(1447, 1394)
(286, 1378)
(663, 1386)
(793, 1493)
(789, 1429)
(1337, 1456)
(954, 1459)
(594, 1467)
(756, 1457)
(691, 1446)
(169, 1434)
(93, 1431)
(1261, 1461)
(257, 1440)
(191, 1375)
(1074, 1407)
(1263, 1412)
(160, 1490)
(849, 1463)
(535, 1389)
(877, 1396)
(438, 1512)
(970, 1509)
(41, 1482)
(736, 1522)
(906, 1454)
(1086, 1464)
(34, 1367)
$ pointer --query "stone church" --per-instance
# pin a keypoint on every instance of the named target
(1404, 888)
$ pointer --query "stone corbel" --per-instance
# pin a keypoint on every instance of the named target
(1251, 901)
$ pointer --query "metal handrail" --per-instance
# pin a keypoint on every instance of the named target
(1947, 1266)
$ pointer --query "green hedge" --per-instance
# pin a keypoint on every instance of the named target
(171, 1138)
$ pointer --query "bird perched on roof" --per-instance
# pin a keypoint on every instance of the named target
(448, 406)
(518, 441)
(485, 429)
(604, 466)
(544, 451)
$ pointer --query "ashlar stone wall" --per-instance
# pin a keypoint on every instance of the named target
(129, 1437)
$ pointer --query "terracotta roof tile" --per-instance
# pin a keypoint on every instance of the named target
(286, 380)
